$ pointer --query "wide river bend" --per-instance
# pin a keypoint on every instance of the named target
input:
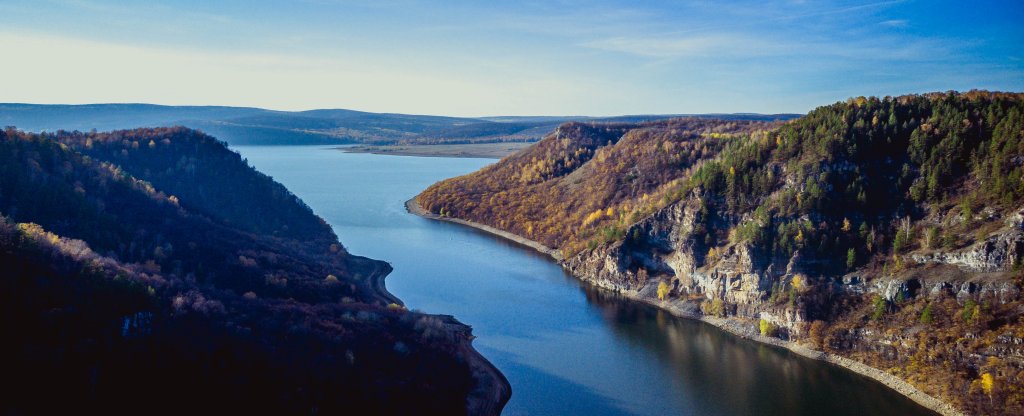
(566, 348)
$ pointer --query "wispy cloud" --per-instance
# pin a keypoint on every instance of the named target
(749, 47)
(897, 23)
(687, 46)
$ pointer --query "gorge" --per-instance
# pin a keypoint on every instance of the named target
(886, 231)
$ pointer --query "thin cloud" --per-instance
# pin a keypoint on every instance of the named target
(896, 23)
(686, 46)
(752, 47)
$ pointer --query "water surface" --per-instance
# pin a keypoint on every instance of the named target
(566, 348)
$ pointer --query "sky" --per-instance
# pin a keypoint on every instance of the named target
(486, 58)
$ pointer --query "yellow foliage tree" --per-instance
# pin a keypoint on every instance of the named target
(767, 328)
(799, 282)
(987, 383)
(712, 255)
(594, 216)
(846, 225)
(663, 290)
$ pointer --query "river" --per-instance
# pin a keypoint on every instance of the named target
(566, 348)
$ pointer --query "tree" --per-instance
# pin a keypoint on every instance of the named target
(899, 242)
(817, 333)
(663, 290)
(767, 328)
(970, 310)
(931, 237)
(846, 225)
(926, 314)
(799, 282)
(987, 384)
(880, 306)
(851, 258)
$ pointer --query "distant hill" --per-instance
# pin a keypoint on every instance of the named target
(156, 266)
(885, 230)
(243, 125)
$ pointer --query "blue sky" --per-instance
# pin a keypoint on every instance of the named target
(471, 58)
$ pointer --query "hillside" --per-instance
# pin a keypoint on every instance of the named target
(154, 263)
(887, 230)
(256, 126)
(564, 190)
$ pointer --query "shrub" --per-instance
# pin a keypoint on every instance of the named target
(715, 307)
(767, 328)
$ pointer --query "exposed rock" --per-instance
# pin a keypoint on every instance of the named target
(661, 248)
(997, 252)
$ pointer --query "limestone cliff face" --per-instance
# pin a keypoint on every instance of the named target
(660, 248)
(749, 286)
(999, 251)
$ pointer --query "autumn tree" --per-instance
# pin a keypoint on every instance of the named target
(663, 290)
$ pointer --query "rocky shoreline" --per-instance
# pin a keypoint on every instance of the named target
(492, 390)
(413, 207)
(737, 327)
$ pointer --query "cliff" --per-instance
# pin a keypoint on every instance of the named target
(883, 231)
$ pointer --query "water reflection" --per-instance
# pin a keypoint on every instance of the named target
(724, 374)
(566, 348)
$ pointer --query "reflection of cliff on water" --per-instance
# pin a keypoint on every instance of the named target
(721, 371)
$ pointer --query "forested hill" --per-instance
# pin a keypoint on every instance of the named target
(256, 126)
(205, 176)
(566, 189)
(888, 230)
(155, 266)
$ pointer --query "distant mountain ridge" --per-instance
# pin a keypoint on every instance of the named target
(257, 126)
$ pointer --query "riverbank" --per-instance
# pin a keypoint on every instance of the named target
(741, 328)
(474, 150)
(492, 390)
(413, 207)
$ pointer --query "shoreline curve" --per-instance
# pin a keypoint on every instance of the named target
(493, 389)
(732, 326)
